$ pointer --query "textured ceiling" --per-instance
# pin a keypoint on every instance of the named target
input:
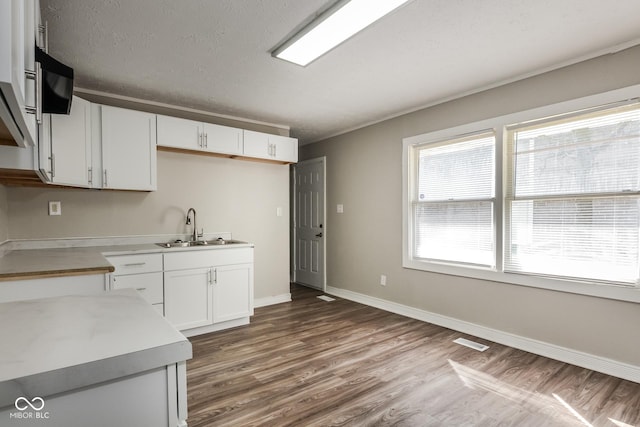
(213, 55)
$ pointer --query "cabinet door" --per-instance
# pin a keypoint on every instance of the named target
(149, 285)
(17, 39)
(284, 148)
(273, 147)
(187, 298)
(71, 145)
(256, 144)
(232, 292)
(222, 139)
(128, 149)
(179, 133)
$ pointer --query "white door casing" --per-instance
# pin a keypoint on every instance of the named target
(309, 223)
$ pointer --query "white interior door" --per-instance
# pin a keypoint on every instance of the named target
(309, 226)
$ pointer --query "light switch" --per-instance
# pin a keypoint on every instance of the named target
(340, 208)
(55, 208)
(278, 211)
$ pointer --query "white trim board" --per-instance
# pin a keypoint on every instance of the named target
(552, 351)
(276, 299)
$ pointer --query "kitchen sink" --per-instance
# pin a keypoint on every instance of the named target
(191, 243)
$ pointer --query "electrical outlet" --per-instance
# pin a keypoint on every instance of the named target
(55, 208)
(383, 280)
(340, 209)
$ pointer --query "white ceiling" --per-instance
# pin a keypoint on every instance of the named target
(213, 55)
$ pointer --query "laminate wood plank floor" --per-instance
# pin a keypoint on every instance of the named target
(339, 363)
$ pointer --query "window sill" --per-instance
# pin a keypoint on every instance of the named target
(601, 290)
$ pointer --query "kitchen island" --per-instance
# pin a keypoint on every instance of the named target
(101, 360)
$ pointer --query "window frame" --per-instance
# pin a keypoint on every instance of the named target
(415, 159)
(499, 126)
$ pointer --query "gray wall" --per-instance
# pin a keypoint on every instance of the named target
(4, 210)
(228, 195)
(364, 172)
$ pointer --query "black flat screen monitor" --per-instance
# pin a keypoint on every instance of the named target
(57, 84)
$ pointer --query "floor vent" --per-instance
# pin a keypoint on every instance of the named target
(326, 298)
(471, 344)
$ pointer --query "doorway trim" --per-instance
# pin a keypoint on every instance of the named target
(294, 239)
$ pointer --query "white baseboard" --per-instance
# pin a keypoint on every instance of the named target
(276, 299)
(552, 351)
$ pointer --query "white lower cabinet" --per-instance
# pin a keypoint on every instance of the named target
(142, 272)
(207, 290)
(232, 292)
(188, 298)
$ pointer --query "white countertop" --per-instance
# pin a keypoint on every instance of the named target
(52, 345)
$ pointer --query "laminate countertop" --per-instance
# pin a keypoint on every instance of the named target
(53, 345)
(35, 263)
(57, 262)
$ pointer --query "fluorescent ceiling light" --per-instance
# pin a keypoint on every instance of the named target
(331, 28)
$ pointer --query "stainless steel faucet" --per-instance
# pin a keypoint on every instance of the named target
(194, 236)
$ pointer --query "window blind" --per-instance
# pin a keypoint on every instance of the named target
(572, 206)
(453, 202)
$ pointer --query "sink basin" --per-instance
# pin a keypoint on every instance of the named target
(191, 243)
(181, 244)
(223, 242)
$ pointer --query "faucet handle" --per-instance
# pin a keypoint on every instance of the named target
(201, 233)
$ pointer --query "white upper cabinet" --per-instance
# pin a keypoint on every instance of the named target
(18, 75)
(99, 147)
(128, 140)
(222, 139)
(272, 147)
(186, 134)
(70, 145)
(179, 133)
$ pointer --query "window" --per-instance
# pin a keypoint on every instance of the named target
(453, 200)
(572, 205)
(548, 198)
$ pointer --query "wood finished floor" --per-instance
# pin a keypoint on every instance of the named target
(339, 363)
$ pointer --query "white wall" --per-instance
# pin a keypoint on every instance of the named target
(228, 195)
(364, 173)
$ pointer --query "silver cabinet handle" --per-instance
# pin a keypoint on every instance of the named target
(141, 289)
(53, 165)
(215, 275)
(37, 77)
(209, 276)
(199, 140)
(43, 31)
(104, 184)
(90, 175)
(206, 140)
(135, 264)
(38, 93)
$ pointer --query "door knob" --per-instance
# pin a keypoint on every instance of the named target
(319, 235)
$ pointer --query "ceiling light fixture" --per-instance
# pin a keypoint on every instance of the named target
(332, 27)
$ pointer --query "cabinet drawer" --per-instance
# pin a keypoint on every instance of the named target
(135, 264)
(149, 285)
(207, 258)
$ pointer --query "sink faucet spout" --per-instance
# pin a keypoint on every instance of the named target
(194, 236)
